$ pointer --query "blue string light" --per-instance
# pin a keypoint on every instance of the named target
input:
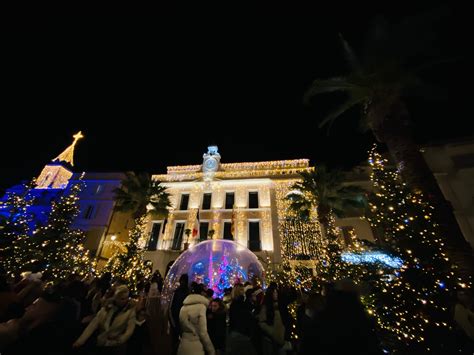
(372, 257)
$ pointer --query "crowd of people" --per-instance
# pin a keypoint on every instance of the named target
(95, 315)
(251, 321)
(99, 315)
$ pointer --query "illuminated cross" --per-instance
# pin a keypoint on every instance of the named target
(77, 136)
(68, 154)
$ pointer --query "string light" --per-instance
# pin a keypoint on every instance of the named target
(411, 307)
(129, 264)
(372, 257)
(237, 170)
(15, 229)
(56, 248)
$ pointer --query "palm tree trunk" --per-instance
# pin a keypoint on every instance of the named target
(394, 130)
(323, 228)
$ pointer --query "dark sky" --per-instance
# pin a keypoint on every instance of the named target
(152, 92)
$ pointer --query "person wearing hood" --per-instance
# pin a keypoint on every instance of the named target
(192, 318)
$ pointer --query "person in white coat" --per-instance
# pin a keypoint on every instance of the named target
(192, 318)
(115, 322)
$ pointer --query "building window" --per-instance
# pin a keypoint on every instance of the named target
(99, 189)
(227, 231)
(178, 236)
(253, 199)
(203, 229)
(184, 202)
(154, 235)
(229, 200)
(206, 201)
(88, 212)
(254, 236)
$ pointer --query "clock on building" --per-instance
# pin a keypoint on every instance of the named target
(210, 164)
(211, 161)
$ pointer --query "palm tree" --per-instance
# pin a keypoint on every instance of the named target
(140, 195)
(323, 190)
(379, 83)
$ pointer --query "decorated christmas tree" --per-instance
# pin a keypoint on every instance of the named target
(309, 233)
(15, 228)
(142, 196)
(413, 308)
(129, 265)
(59, 246)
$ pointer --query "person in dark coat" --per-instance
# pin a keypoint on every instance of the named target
(158, 279)
(287, 295)
(242, 324)
(48, 327)
(176, 303)
(271, 323)
(216, 325)
(254, 307)
(309, 323)
(345, 327)
(139, 342)
(7, 298)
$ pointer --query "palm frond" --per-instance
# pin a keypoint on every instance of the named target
(323, 189)
(320, 86)
(329, 119)
(350, 56)
(138, 191)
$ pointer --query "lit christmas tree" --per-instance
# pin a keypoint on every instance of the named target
(15, 228)
(129, 265)
(142, 196)
(59, 246)
(413, 308)
(309, 232)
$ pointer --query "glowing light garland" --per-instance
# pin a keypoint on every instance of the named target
(412, 309)
(57, 247)
(129, 265)
(237, 170)
(53, 177)
(15, 230)
(263, 165)
(372, 257)
(68, 154)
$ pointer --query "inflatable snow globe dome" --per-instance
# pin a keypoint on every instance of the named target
(218, 264)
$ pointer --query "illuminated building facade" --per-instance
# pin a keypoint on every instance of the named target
(244, 202)
(96, 200)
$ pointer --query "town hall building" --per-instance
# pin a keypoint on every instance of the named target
(244, 202)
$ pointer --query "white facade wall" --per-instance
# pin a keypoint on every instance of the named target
(453, 167)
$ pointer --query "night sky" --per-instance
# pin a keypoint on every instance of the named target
(153, 92)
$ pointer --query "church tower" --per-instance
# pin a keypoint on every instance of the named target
(56, 174)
